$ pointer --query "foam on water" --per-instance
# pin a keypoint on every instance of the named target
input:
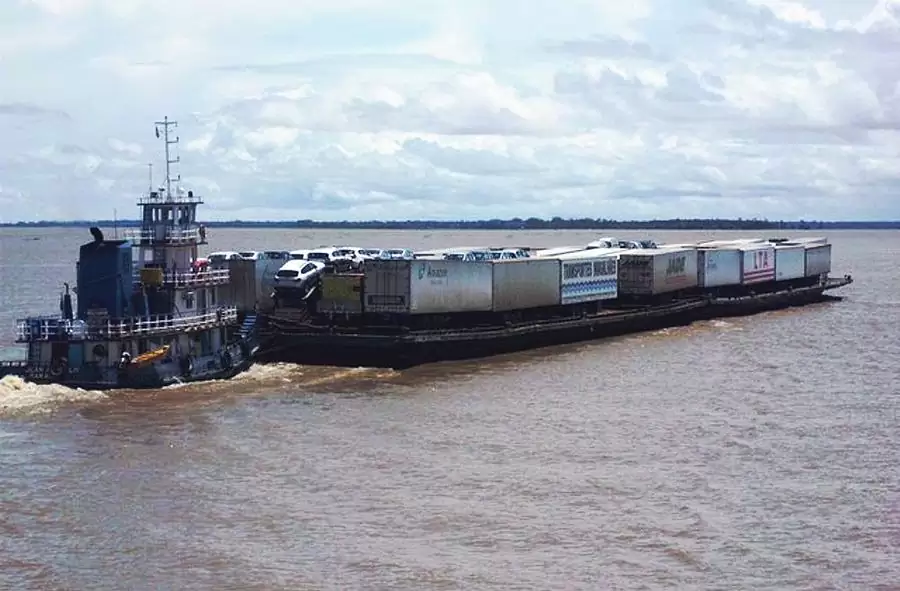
(18, 396)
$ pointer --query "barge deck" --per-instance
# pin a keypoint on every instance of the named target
(291, 335)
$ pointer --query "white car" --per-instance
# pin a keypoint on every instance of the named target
(275, 255)
(299, 254)
(370, 253)
(338, 259)
(217, 259)
(397, 254)
(297, 274)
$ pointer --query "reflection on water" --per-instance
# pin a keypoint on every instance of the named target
(749, 453)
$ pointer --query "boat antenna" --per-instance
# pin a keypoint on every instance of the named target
(165, 124)
(150, 175)
(115, 224)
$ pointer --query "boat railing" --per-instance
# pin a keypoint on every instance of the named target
(53, 329)
(162, 197)
(171, 235)
(190, 278)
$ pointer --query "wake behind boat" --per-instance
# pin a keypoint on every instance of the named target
(146, 314)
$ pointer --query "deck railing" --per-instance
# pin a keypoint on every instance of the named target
(191, 279)
(52, 329)
(169, 235)
(160, 197)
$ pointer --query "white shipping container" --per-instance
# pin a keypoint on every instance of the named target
(428, 286)
(790, 262)
(758, 263)
(734, 243)
(438, 287)
(556, 251)
(656, 271)
(817, 241)
(720, 266)
(525, 283)
(818, 259)
(588, 275)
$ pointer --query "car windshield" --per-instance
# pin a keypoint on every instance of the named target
(317, 256)
(286, 273)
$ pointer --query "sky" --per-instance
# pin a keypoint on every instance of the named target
(462, 109)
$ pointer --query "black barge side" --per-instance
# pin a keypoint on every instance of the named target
(295, 336)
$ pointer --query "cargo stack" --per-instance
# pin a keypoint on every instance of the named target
(588, 275)
(657, 271)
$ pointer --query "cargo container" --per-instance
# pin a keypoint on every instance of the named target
(557, 250)
(427, 286)
(758, 263)
(656, 271)
(588, 275)
(341, 293)
(818, 259)
(525, 283)
(790, 262)
(242, 288)
(817, 241)
(719, 267)
(732, 243)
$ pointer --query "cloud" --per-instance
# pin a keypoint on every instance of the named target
(358, 109)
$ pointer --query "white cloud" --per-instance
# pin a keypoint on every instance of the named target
(355, 109)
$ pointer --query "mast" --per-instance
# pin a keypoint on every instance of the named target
(165, 123)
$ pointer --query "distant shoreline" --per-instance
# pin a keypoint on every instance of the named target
(509, 225)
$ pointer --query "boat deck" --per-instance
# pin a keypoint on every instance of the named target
(291, 335)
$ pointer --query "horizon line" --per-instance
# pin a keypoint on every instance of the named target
(532, 223)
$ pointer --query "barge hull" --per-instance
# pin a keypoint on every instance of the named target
(307, 345)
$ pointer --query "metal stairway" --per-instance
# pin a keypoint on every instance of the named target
(248, 327)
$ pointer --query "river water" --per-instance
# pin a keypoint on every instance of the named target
(752, 453)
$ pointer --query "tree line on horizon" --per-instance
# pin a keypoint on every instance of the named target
(555, 223)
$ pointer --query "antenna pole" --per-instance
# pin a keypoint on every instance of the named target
(165, 123)
(150, 175)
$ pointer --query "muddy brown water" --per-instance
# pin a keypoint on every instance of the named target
(752, 453)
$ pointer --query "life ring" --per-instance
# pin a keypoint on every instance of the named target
(58, 368)
(99, 350)
(227, 361)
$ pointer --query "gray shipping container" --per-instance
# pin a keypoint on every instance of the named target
(719, 266)
(656, 271)
(525, 283)
(242, 287)
(386, 286)
(818, 260)
(428, 286)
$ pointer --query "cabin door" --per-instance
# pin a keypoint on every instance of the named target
(58, 352)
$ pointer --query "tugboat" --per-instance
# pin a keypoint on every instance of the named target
(147, 314)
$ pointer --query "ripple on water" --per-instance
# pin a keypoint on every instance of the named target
(749, 453)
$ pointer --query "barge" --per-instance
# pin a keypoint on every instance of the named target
(146, 315)
(398, 314)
